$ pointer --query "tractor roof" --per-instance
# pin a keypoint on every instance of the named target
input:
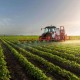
(50, 27)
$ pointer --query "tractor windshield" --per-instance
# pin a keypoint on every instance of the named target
(52, 30)
(48, 30)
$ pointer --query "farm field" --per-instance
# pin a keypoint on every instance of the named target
(39, 39)
(34, 60)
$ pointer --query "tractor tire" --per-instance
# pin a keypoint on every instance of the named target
(49, 38)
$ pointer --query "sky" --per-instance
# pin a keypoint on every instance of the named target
(27, 17)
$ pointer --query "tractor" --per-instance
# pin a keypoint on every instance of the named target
(52, 33)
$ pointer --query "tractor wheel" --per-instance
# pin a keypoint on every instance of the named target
(48, 38)
(40, 38)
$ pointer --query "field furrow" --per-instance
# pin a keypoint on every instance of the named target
(33, 57)
(41, 60)
(16, 71)
(30, 69)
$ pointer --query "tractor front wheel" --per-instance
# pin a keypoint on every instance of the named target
(40, 38)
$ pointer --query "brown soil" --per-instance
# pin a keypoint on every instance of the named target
(16, 71)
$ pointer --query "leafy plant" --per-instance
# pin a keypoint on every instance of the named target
(4, 72)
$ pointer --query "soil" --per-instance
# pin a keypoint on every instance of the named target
(16, 71)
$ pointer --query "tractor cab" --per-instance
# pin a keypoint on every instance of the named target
(48, 33)
(49, 29)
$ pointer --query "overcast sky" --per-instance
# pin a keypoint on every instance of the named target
(29, 16)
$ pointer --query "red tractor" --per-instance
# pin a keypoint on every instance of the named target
(52, 33)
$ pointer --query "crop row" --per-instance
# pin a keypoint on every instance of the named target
(4, 72)
(67, 50)
(62, 62)
(35, 72)
(61, 54)
(61, 48)
(49, 67)
(67, 64)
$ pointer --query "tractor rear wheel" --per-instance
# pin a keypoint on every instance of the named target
(48, 38)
